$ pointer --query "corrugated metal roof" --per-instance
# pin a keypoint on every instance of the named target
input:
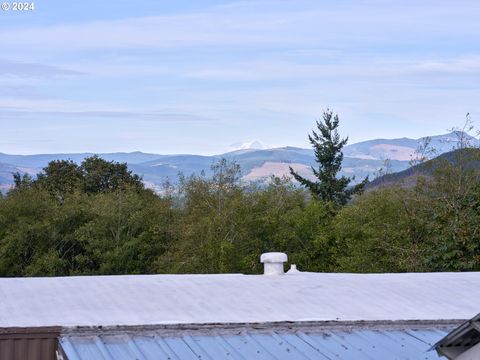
(189, 299)
(354, 345)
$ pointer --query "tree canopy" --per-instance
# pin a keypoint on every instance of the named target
(97, 218)
(93, 176)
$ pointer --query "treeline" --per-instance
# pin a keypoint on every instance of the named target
(211, 225)
(98, 218)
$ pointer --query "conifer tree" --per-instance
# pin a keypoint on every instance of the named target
(327, 146)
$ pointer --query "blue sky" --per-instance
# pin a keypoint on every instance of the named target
(197, 76)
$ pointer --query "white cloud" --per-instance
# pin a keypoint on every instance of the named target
(335, 24)
(465, 64)
(354, 68)
(252, 69)
(32, 70)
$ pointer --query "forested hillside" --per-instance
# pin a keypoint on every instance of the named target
(407, 178)
(98, 218)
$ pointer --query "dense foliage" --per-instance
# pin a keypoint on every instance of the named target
(97, 218)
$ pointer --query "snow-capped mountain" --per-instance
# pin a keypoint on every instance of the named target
(257, 162)
(253, 145)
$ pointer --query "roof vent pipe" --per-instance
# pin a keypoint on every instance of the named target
(273, 263)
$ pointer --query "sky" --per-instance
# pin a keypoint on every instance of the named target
(197, 76)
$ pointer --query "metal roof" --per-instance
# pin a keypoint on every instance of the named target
(356, 345)
(199, 299)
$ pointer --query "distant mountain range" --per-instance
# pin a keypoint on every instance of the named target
(407, 178)
(360, 160)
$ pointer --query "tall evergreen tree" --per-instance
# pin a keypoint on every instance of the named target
(327, 146)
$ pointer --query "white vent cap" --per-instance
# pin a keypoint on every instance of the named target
(293, 270)
(273, 263)
(273, 257)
